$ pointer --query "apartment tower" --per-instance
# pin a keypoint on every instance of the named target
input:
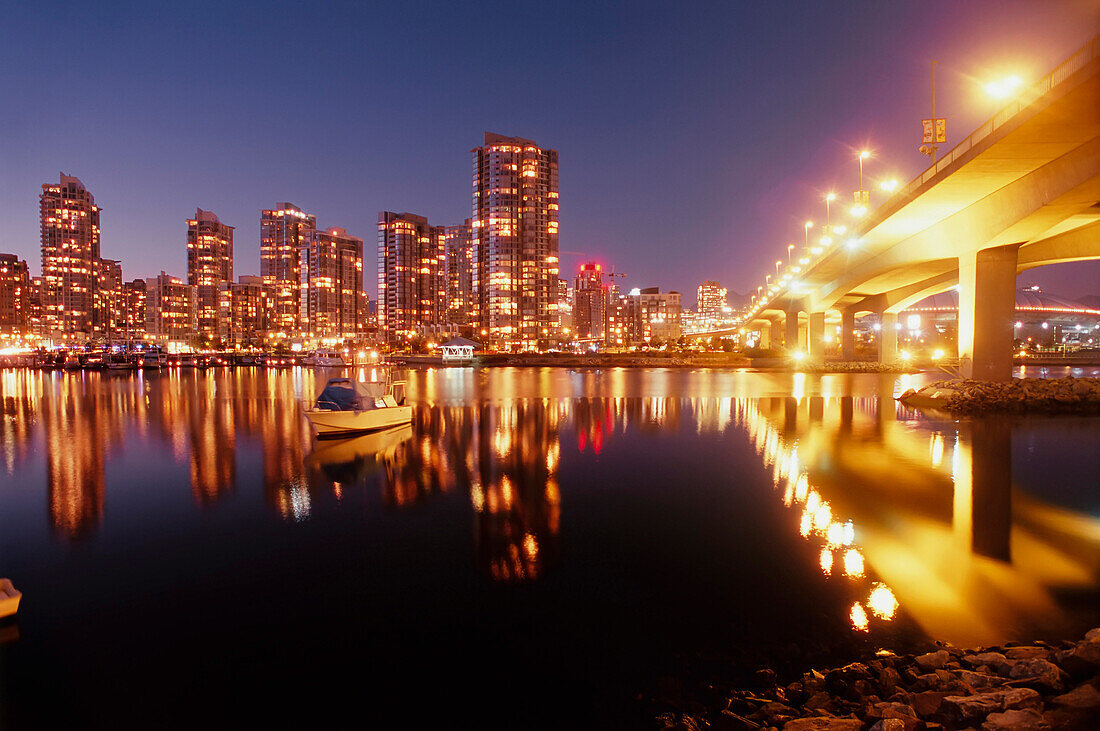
(410, 275)
(284, 231)
(459, 275)
(210, 271)
(331, 287)
(69, 220)
(515, 243)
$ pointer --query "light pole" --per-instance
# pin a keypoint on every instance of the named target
(777, 263)
(790, 248)
(863, 155)
(829, 198)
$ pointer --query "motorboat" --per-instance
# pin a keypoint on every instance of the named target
(152, 359)
(346, 406)
(325, 358)
(9, 598)
(120, 362)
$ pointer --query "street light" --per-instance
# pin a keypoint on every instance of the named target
(829, 198)
(777, 263)
(862, 198)
(790, 248)
(889, 185)
(1004, 88)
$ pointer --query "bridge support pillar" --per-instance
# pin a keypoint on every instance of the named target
(816, 337)
(765, 335)
(848, 334)
(888, 337)
(987, 307)
(790, 336)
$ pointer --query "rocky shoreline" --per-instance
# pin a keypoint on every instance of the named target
(1016, 686)
(965, 396)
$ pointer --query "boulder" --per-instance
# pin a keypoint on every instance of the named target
(928, 702)
(995, 660)
(963, 710)
(1026, 720)
(979, 680)
(1084, 697)
(1083, 659)
(932, 660)
(1037, 671)
(824, 723)
(1027, 653)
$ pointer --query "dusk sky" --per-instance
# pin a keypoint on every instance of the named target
(694, 138)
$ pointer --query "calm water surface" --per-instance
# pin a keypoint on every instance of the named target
(542, 546)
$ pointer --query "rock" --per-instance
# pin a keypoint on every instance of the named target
(888, 680)
(995, 660)
(817, 700)
(729, 721)
(1039, 672)
(962, 710)
(766, 677)
(1083, 697)
(979, 680)
(1093, 635)
(824, 723)
(1083, 659)
(932, 660)
(928, 702)
(1026, 720)
(1027, 653)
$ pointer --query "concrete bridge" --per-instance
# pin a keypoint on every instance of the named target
(1022, 191)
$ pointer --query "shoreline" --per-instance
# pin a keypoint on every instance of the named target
(1037, 685)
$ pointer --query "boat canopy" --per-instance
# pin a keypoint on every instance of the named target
(344, 394)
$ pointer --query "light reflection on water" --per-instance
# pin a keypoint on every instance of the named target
(897, 516)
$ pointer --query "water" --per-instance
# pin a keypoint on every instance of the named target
(541, 547)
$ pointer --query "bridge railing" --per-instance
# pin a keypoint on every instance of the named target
(1080, 58)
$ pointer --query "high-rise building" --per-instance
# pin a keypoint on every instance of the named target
(170, 308)
(459, 275)
(712, 306)
(15, 294)
(565, 307)
(590, 304)
(209, 271)
(284, 231)
(331, 287)
(69, 222)
(410, 276)
(108, 319)
(134, 315)
(515, 242)
(249, 317)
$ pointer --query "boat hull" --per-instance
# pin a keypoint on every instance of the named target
(334, 424)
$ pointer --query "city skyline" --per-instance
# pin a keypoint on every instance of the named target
(630, 173)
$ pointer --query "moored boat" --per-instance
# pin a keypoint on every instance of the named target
(324, 358)
(9, 598)
(346, 407)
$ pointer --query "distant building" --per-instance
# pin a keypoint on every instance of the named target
(170, 308)
(331, 269)
(249, 311)
(135, 294)
(565, 308)
(515, 243)
(110, 300)
(712, 307)
(69, 222)
(590, 304)
(15, 294)
(209, 271)
(653, 317)
(459, 274)
(284, 231)
(411, 288)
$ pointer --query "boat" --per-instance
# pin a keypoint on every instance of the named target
(324, 358)
(346, 407)
(120, 362)
(151, 359)
(9, 598)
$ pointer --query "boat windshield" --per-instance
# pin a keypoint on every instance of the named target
(344, 394)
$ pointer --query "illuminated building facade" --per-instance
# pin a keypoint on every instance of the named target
(712, 306)
(459, 274)
(653, 317)
(411, 287)
(590, 304)
(515, 243)
(249, 303)
(331, 287)
(284, 231)
(69, 221)
(15, 285)
(134, 295)
(170, 308)
(565, 308)
(109, 299)
(209, 271)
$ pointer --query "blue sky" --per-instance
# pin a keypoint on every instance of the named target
(694, 138)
